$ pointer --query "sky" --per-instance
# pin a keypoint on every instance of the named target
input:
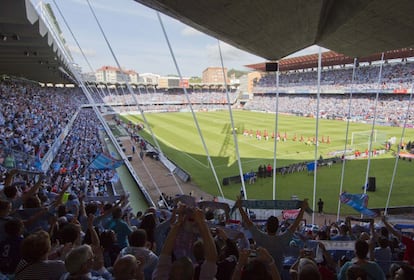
(138, 42)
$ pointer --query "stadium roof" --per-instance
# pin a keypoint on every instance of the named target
(27, 48)
(331, 58)
(273, 29)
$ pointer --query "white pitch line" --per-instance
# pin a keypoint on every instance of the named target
(269, 150)
(226, 165)
(178, 149)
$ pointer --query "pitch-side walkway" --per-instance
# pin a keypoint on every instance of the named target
(157, 178)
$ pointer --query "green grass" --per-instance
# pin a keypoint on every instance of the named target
(179, 139)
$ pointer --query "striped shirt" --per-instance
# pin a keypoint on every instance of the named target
(49, 269)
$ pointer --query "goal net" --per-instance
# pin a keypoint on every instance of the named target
(360, 140)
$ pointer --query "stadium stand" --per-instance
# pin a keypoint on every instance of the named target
(70, 191)
(62, 219)
(298, 93)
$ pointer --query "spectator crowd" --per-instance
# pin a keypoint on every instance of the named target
(68, 222)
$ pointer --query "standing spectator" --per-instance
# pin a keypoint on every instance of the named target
(11, 192)
(128, 267)
(269, 170)
(148, 224)
(137, 242)
(34, 263)
(110, 247)
(260, 171)
(10, 247)
(383, 255)
(82, 263)
(408, 242)
(182, 268)
(228, 255)
(120, 227)
(372, 269)
(320, 206)
(270, 240)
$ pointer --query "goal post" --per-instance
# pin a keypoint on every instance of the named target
(361, 139)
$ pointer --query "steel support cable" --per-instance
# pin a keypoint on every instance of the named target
(276, 129)
(236, 145)
(348, 121)
(317, 134)
(75, 39)
(373, 125)
(191, 107)
(172, 173)
(397, 156)
(125, 80)
(86, 91)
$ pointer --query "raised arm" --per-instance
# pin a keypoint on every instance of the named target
(59, 199)
(10, 176)
(82, 211)
(372, 240)
(208, 241)
(94, 235)
(391, 228)
(33, 190)
(245, 217)
(169, 243)
(292, 228)
(348, 223)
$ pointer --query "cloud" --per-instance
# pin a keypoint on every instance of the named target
(75, 50)
(228, 52)
(189, 31)
(309, 50)
(233, 58)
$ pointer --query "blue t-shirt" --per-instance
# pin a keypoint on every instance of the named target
(122, 231)
(373, 270)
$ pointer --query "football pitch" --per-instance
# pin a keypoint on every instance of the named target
(180, 141)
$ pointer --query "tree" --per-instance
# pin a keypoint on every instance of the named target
(237, 73)
(195, 80)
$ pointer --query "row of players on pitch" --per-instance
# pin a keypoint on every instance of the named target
(284, 137)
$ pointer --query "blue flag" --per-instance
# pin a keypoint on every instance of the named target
(102, 162)
(357, 201)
